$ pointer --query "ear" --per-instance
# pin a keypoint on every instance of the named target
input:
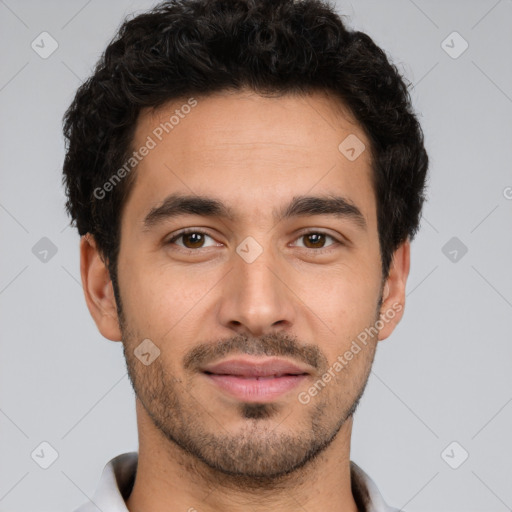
(98, 289)
(393, 300)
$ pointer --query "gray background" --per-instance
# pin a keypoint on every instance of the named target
(443, 376)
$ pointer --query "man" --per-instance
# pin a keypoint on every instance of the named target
(246, 178)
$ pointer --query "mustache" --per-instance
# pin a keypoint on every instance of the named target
(273, 344)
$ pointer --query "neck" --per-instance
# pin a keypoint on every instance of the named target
(170, 480)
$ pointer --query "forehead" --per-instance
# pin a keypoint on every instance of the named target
(249, 151)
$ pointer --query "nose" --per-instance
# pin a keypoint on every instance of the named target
(256, 298)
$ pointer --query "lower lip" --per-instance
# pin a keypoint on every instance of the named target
(256, 390)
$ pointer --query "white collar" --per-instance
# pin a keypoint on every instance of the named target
(118, 476)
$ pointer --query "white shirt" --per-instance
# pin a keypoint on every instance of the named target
(118, 477)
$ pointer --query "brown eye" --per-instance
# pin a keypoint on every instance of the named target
(192, 239)
(316, 240)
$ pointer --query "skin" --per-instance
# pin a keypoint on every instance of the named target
(198, 447)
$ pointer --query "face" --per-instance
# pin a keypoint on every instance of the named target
(252, 313)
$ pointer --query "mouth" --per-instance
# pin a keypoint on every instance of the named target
(255, 379)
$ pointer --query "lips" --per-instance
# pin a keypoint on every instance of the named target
(245, 368)
(255, 379)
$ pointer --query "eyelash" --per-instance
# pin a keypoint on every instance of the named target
(315, 232)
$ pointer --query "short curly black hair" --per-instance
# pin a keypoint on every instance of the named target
(199, 47)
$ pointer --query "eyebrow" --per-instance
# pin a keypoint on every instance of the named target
(177, 205)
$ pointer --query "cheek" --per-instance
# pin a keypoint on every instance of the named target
(348, 293)
(164, 301)
(145, 297)
(347, 303)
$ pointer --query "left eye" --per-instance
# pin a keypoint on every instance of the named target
(195, 239)
(314, 238)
